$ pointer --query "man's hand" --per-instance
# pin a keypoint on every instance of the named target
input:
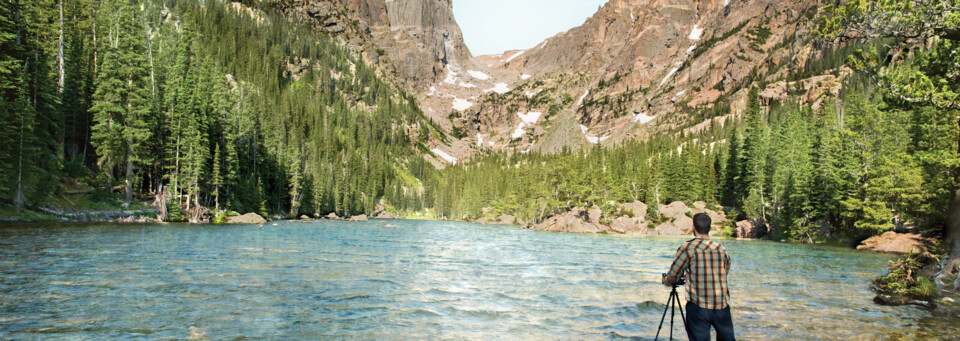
(668, 280)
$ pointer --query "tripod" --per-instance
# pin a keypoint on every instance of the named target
(673, 301)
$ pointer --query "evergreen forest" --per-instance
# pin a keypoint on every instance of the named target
(206, 105)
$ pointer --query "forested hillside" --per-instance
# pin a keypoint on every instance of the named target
(859, 165)
(206, 104)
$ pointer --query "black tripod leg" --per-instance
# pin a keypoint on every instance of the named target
(669, 302)
(672, 311)
(682, 317)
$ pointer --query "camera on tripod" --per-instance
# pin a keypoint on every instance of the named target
(680, 280)
(673, 304)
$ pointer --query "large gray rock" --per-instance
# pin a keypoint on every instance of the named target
(637, 208)
(249, 218)
(332, 216)
(750, 229)
(574, 221)
(669, 229)
(893, 242)
(626, 225)
(361, 218)
(506, 219)
(675, 209)
(594, 215)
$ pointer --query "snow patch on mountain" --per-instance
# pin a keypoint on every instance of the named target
(643, 118)
(444, 155)
(580, 101)
(514, 56)
(669, 74)
(530, 117)
(478, 75)
(518, 133)
(461, 104)
(695, 33)
(525, 76)
(500, 88)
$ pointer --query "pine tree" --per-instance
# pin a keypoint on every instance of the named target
(122, 99)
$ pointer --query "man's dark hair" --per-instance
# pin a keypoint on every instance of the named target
(701, 223)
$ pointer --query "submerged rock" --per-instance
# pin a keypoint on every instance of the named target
(890, 300)
(249, 218)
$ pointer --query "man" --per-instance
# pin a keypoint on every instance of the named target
(706, 265)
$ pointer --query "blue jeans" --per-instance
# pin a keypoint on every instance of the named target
(699, 321)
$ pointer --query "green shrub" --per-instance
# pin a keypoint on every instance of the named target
(904, 278)
(175, 213)
(220, 217)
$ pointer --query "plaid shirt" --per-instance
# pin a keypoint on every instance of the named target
(707, 265)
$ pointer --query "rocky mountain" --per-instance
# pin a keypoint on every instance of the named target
(633, 69)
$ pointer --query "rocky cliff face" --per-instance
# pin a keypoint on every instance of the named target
(641, 67)
(415, 39)
(635, 68)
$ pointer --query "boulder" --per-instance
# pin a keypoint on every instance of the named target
(249, 218)
(684, 223)
(137, 219)
(571, 221)
(625, 225)
(675, 209)
(505, 219)
(360, 218)
(750, 229)
(385, 215)
(332, 216)
(893, 300)
(304, 217)
(388, 226)
(669, 229)
(594, 214)
(381, 213)
(893, 242)
(638, 209)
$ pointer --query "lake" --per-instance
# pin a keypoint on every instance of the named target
(421, 280)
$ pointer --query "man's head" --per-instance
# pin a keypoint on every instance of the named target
(701, 223)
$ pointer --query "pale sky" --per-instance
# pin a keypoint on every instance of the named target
(494, 26)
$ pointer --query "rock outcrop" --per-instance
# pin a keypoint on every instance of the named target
(506, 219)
(893, 242)
(751, 229)
(577, 220)
(249, 218)
(380, 212)
(630, 218)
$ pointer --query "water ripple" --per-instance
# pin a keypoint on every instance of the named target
(422, 280)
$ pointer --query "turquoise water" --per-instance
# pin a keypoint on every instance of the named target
(422, 280)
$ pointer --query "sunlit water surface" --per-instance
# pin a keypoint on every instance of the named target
(421, 280)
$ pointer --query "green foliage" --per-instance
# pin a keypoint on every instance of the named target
(287, 121)
(903, 278)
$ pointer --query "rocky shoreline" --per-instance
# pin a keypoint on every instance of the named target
(673, 219)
